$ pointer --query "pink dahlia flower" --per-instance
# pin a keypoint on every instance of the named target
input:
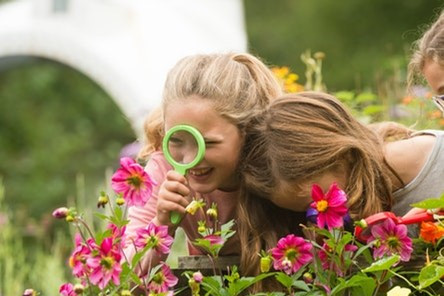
(77, 260)
(163, 280)
(67, 290)
(105, 265)
(291, 253)
(156, 237)
(132, 182)
(331, 207)
(214, 239)
(391, 239)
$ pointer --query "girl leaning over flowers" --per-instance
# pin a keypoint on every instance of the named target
(311, 138)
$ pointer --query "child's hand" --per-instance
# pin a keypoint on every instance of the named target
(174, 195)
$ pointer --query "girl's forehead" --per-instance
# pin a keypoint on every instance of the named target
(196, 112)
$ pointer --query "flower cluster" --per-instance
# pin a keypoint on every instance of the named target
(98, 260)
(328, 260)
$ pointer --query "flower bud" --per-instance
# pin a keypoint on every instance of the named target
(235, 275)
(29, 292)
(69, 218)
(79, 288)
(60, 213)
(193, 207)
(319, 55)
(307, 277)
(103, 200)
(120, 201)
(198, 277)
(211, 212)
(201, 228)
(265, 263)
(361, 223)
(125, 293)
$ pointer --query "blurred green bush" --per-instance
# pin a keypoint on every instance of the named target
(362, 39)
(55, 125)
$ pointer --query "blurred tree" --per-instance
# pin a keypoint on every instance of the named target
(361, 39)
(55, 123)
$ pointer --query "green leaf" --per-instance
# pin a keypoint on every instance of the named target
(284, 279)
(345, 96)
(429, 275)
(373, 109)
(135, 278)
(366, 97)
(100, 236)
(212, 285)
(101, 216)
(346, 239)
(383, 264)
(430, 203)
(236, 287)
(362, 283)
(301, 285)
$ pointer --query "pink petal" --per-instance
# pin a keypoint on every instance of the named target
(126, 161)
(316, 192)
(321, 220)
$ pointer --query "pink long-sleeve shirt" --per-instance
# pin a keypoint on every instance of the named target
(140, 217)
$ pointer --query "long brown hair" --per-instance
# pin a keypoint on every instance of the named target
(300, 136)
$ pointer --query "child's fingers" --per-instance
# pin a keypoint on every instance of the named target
(176, 187)
(166, 195)
(175, 176)
(166, 206)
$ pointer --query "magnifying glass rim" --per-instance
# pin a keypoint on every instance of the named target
(181, 167)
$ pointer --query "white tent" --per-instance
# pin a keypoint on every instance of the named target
(125, 46)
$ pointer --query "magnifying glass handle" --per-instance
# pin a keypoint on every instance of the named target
(175, 217)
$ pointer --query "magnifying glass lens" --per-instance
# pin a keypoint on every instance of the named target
(182, 147)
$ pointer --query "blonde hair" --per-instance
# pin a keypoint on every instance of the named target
(429, 47)
(300, 136)
(153, 127)
(239, 86)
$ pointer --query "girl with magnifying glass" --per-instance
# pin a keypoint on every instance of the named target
(217, 94)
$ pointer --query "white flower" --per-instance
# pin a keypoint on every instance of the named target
(398, 291)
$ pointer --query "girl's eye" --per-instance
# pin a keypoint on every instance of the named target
(175, 141)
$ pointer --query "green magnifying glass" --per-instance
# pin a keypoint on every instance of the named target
(183, 147)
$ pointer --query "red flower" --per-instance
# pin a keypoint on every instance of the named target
(132, 182)
(331, 207)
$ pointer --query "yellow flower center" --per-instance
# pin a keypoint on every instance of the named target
(321, 206)
(291, 254)
(107, 262)
(135, 181)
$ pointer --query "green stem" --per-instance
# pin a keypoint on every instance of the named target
(86, 227)
(383, 274)
(408, 282)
